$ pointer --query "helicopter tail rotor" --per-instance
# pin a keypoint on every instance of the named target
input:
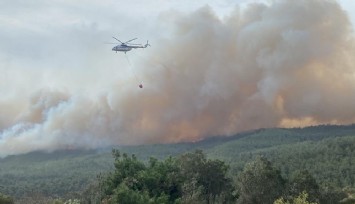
(146, 45)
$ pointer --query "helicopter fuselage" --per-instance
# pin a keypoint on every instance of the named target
(121, 48)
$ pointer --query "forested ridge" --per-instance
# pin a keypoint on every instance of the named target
(326, 153)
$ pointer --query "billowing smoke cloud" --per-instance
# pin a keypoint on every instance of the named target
(286, 64)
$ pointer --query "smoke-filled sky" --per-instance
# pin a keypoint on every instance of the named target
(214, 68)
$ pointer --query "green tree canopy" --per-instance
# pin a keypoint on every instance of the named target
(303, 181)
(4, 199)
(210, 177)
(260, 183)
(302, 198)
(188, 178)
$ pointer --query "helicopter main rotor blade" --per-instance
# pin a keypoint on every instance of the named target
(132, 44)
(118, 40)
(131, 40)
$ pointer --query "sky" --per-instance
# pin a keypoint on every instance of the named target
(213, 68)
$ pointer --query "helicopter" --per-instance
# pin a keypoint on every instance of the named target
(126, 46)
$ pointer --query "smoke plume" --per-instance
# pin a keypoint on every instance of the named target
(284, 64)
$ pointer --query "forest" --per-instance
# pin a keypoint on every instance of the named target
(298, 165)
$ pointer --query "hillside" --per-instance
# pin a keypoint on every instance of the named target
(326, 151)
(330, 159)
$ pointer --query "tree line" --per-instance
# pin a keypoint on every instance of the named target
(193, 178)
(325, 151)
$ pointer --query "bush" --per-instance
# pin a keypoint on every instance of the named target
(4, 199)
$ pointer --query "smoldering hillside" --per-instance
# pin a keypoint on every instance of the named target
(285, 64)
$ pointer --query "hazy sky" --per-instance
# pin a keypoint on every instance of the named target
(41, 35)
(58, 43)
(214, 68)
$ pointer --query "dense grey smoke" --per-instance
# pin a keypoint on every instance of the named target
(289, 63)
